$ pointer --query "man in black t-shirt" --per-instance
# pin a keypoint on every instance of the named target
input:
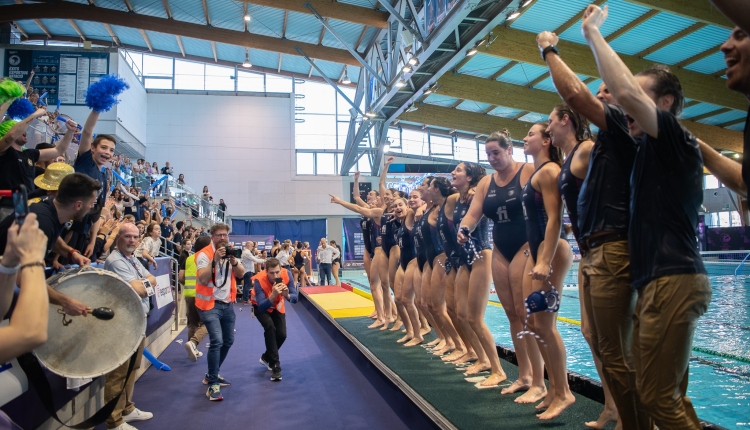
(666, 195)
(223, 208)
(75, 197)
(17, 164)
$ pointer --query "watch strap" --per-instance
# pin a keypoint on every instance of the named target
(547, 50)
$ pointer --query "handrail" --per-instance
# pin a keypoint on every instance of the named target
(741, 264)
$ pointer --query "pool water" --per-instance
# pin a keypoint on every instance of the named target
(720, 368)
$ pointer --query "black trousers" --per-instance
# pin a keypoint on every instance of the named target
(274, 332)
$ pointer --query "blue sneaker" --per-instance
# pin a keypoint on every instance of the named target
(214, 393)
(223, 382)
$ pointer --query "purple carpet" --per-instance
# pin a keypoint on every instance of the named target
(322, 388)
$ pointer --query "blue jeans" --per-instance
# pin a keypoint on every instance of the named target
(219, 322)
(247, 285)
(324, 271)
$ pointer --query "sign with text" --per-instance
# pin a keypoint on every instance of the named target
(163, 291)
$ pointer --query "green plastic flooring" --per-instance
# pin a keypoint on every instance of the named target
(456, 399)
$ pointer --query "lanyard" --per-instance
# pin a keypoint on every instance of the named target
(131, 263)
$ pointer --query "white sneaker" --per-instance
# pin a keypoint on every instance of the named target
(137, 415)
(192, 351)
(124, 426)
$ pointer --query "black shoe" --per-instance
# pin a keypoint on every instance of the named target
(276, 375)
(264, 362)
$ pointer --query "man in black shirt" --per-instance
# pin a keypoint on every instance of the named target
(603, 215)
(223, 208)
(17, 163)
(75, 197)
(666, 195)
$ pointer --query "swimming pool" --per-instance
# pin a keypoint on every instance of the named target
(720, 367)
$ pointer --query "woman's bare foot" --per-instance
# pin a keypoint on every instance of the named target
(397, 326)
(424, 330)
(557, 407)
(415, 341)
(477, 368)
(533, 395)
(373, 315)
(406, 338)
(515, 387)
(494, 379)
(465, 359)
(607, 416)
(454, 355)
(547, 401)
(385, 326)
(448, 347)
(376, 324)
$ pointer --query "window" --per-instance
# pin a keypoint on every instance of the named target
(305, 163)
(189, 75)
(317, 132)
(414, 142)
(482, 153)
(519, 156)
(724, 219)
(157, 84)
(278, 84)
(157, 66)
(250, 81)
(325, 164)
(219, 78)
(710, 182)
(466, 150)
(441, 145)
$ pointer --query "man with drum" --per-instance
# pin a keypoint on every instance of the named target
(123, 263)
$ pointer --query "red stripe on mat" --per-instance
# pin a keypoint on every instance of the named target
(346, 286)
(324, 289)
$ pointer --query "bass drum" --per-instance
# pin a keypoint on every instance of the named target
(89, 347)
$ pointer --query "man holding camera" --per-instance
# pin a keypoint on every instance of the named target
(215, 291)
(270, 288)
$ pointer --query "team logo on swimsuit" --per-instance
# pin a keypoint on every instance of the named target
(511, 192)
(502, 214)
(562, 176)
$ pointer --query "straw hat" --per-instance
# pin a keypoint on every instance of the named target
(52, 177)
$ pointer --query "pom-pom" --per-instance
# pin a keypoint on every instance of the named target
(20, 109)
(6, 126)
(9, 90)
(102, 94)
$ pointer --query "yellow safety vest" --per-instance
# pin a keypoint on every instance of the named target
(191, 273)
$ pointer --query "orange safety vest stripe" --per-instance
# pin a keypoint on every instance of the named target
(262, 278)
(204, 294)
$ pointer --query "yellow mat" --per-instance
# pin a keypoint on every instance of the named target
(351, 313)
(347, 300)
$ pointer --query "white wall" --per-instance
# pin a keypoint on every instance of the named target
(242, 147)
(132, 111)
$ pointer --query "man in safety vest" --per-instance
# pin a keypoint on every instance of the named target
(215, 291)
(270, 288)
(196, 330)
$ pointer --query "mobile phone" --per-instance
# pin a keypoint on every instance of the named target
(20, 203)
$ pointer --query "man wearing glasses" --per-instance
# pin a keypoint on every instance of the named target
(215, 291)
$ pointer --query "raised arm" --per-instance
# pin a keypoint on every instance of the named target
(727, 171)
(355, 192)
(87, 135)
(570, 87)
(18, 129)
(60, 149)
(736, 11)
(384, 175)
(474, 214)
(368, 212)
(616, 75)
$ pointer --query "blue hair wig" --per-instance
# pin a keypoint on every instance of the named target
(102, 94)
(20, 109)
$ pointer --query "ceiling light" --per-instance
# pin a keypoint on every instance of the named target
(513, 16)
(247, 17)
(428, 91)
(372, 114)
(365, 117)
(401, 83)
(407, 69)
(526, 3)
(413, 61)
(247, 64)
(471, 52)
(411, 108)
(346, 79)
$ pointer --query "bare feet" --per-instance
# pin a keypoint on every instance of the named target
(414, 342)
(547, 401)
(477, 368)
(385, 326)
(465, 359)
(376, 324)
(516, 386)
(373, 315)
(405, 338)
(494, 380)
(557, 407)
(444, 350)
(533, 395)
(605, 418)
(424, 330)
(454, 355)
(397, 326)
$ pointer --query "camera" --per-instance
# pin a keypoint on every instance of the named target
(231, 251)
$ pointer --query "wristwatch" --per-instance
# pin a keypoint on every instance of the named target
(547, 50)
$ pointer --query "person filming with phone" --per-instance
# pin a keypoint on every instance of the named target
(270, 288)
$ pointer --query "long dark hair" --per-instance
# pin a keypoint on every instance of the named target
(580, 124)
(475, 171)
(502, 138)
(665, 83)
(444, 186)
(555, 153)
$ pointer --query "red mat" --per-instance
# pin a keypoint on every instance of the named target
(324, 289)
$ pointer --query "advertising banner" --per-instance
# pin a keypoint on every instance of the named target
(354, 244)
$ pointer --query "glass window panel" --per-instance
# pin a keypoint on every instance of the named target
(414, 142)
(278, 84)
(343, 129)
(711, 182)
(344, 106)
(158, 84)
(482, 153)
(326, 164)
(135, 61)
(157, 66)
(319, 98)
(394, 135)
(340, 160)
(189, 75)
(723, 219)
(441, 145)
(250, 82)
(317, 132)
(363, 164)
(519, 156)
(735, 219)
(305, 164)
(466, 150)
(219, 78)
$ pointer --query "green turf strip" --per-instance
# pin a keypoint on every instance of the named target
(458, 400)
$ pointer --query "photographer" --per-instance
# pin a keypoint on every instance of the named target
(270, 288)
(215, 291)
(23, 263)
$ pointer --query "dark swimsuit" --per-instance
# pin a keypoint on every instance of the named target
(426, 240)
(366, 224)
(406, 243)
(570, 187)
(437, 243)
(299, 260)
(479, 237)
(419, 248)
(375, 236)
(503, 206)
(536, 215)
(388, 239)
(448, 233)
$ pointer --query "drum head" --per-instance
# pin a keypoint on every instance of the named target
(89, 347)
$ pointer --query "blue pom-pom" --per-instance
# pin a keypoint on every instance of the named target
(102, 94)
(20, 109)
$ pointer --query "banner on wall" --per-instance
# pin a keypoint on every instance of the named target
(728, 238)
(354, 243)
(265, 241)
(64, 76)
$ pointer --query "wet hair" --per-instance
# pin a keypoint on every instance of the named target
(502, 138)
(444, 186)
(666, 83)
(580, 124)
(475, 171)
(100, 137)
(555, 153)
(427, 180)
(76, 186)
